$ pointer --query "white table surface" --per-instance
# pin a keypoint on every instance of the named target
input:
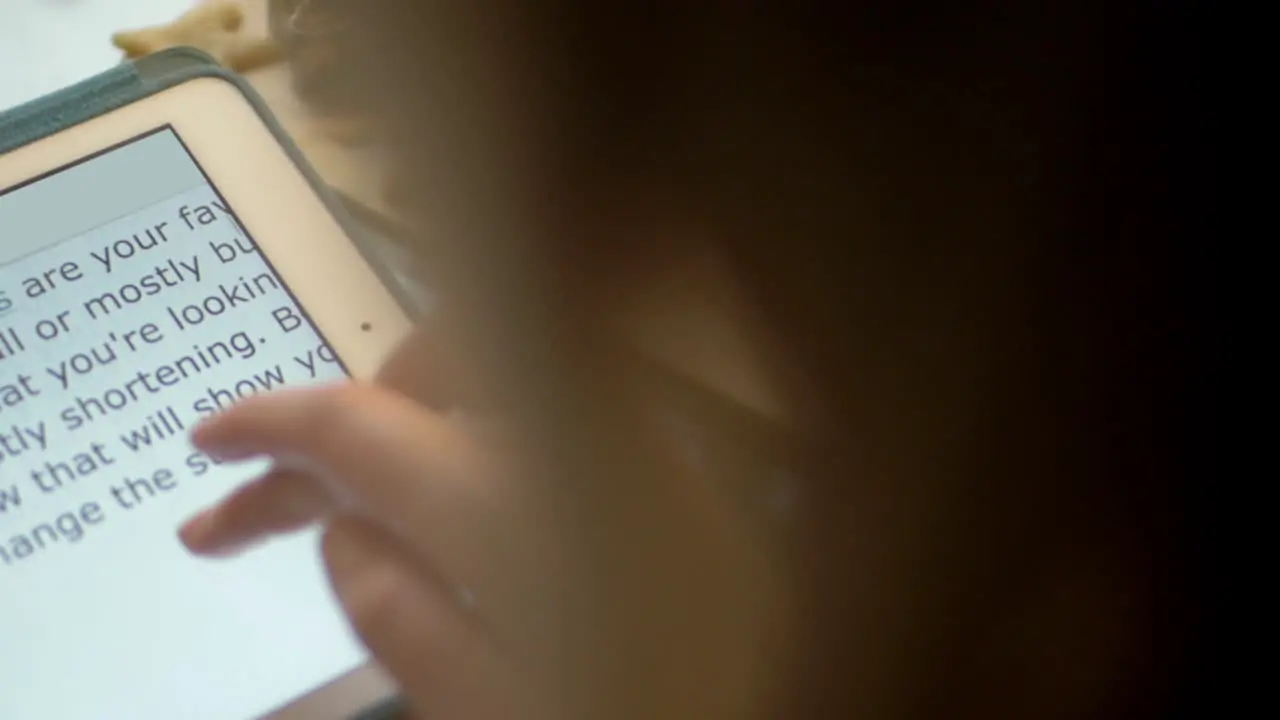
(49, 44)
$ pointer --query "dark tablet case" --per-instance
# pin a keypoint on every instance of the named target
(135, 80)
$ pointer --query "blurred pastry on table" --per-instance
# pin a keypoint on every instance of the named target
(216, 27)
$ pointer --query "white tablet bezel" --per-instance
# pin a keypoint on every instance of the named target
(294, 230)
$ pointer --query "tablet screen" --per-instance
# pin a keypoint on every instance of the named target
(132, 303)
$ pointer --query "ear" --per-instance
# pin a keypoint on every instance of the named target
(135, 43)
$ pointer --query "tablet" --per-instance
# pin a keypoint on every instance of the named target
(161, 257)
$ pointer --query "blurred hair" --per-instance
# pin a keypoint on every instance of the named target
(952, 223)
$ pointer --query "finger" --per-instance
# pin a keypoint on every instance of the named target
(377, 444)
(282, 501)
(380, 453)
(409, 622)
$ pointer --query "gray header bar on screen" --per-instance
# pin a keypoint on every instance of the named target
(93, 193)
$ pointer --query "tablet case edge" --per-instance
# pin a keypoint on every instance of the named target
(138, 79)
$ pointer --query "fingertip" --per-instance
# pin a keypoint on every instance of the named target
(206, 427)
(202, 536)
(280, 502)
(220, 449)
(216, 436)
(198, 532)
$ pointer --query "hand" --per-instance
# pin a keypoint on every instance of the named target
(422, 532)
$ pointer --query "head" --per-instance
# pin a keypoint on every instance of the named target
(886, 235)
